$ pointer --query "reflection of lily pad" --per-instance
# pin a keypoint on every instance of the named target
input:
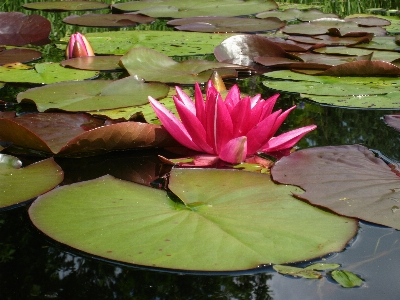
(187, 9)
(154, 66)
(349, 180)
(226, 24)
(93, 95)
(78, 134)
(226, 221)
(65, 5)
(21, 184)
(18, 29)
(42, 73)
(170, 43)
(108, 20)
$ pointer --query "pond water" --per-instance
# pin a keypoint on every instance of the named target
(35, 267)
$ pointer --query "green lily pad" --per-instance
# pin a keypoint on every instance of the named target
(187, 9)
(388, 56)
(21, 184)
(93, 95)
(294, 13)
(226, 221)
(94, 63)
(66, 5)
(171, 43)
(381, 92)
(108, 20)
(155, 66)
(226, 24)
(387, 43)
(346, 279)
(297, 272)
(42, 73)
(322, 266)
(349, 180)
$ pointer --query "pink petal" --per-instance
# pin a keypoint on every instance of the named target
(223, 126)
(241, 115)
(287, 140)
(280, 120)
(193, 126)
(269, 106)
(235, 151)
(200, 106)
(261, 133)
(233, 97)
(173, 125)
(255, 100)
(185, 99)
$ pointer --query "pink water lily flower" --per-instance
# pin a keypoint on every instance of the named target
(78, 46)
(232, 129)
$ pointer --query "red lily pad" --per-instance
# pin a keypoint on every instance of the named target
(94, 63)
(242, 49)
(18, 184)
(108, 20)
(329, 40)
(369, 21)
(18, 29)
(393, 121)
(349, 180)
(66, 5)
(18, 55)
(226, 24)
(78, 134)
(363, 68)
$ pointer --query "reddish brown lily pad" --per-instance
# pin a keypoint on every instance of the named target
(349, 180)
(94, 63)
(363, 68)
(78, 134)
(393, 121)
(18, 55)
(325, 39)
(18, 29)
(226, 24)
(108, 20)
(369, 21)
(294, 13)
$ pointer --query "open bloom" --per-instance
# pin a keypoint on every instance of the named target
(78, 46)
(232, 129)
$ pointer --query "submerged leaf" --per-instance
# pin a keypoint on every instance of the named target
(346, 279)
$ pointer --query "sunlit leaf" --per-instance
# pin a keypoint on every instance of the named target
(21, 184)
(349, 180)
(42, 73)
(297, 272)
(322, 266)
(66, 5)
(226, 221)
(94, 63)
(93, 95)
(346, 279)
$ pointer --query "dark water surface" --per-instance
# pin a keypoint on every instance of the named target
(34, 267)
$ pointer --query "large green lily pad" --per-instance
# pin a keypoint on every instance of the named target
(21, 184)
(187, 9)
(363, 92)
(66, 5)
(171, 43)
(349, 180)
(42, 73)
(229, 220)
(155, 66)
(94, 95)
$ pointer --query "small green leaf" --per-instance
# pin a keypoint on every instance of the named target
(322, 266)
(297, 272)
(346, 279)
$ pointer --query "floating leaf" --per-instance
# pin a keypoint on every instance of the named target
(297, 272)
(294, 13)
(171, 43)
(388, 56)
(226, 24)
(154, 66)
(108, 20)
(18, 29)
(226, 221)
(42, 73)
(369, 21)
(325, 39)
(78, 134)
(322, 266)
(94, 95)
(346, 279)
(18, 55)
(182, 9)
(348, 180)
(393, 121)
(94, 63)
(65, 5)
(21, 184)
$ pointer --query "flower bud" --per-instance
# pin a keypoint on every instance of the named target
(78, 46)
